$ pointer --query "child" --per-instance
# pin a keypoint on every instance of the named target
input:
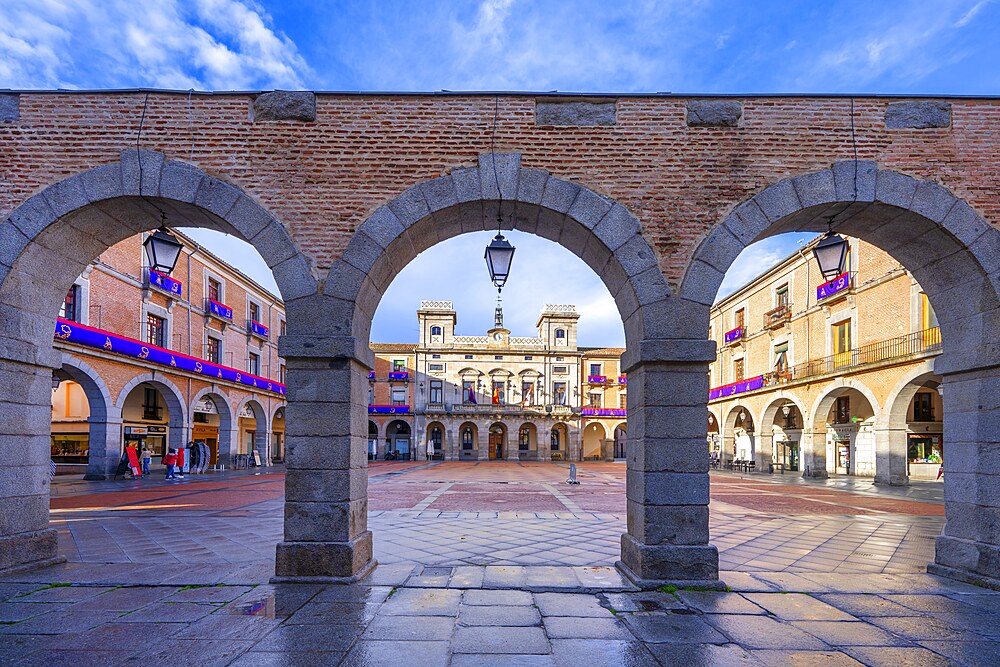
(170, 460)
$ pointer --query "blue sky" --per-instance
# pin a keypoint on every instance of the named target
(693, 46)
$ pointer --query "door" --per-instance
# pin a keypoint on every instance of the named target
(843, 457)
(842, 344)
(496, 446)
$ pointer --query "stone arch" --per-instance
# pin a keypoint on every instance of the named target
(105, 427)
(738, 441)
(815, 429)
(262, 427)
(824, 402)
(223, 450)
(532, 452)
(176, 405)
(891, 431)
(594, 437)
(441, 446)
(463, 439)
(48, 242)
(773, 453)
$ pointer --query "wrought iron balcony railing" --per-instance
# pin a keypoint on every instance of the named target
(777, 317)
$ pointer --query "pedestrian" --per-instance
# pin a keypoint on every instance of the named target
(170, 460)
(146, 457)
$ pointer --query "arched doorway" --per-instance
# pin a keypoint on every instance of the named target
(844, 425)
(781, 436)
(153, 416)
(594, 437)
(559, 442)
(910, 439)
(469, 442)
(739, 438)
(278, 435)
(86, 432)
(252, 429)
(527, 442)
(372, 440)
(435, 445)
(212, 423)
(714, 440)
(397, 441)
(621, 441)
(497, 442)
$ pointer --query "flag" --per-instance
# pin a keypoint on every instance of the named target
(471, 395)
(496, 395)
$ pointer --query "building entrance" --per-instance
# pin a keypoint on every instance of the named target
(496, 442)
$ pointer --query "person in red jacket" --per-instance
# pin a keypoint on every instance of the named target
(170, 460)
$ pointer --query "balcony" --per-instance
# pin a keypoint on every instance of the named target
(777, 317)
(491, 409)
(604, 412)
(219, 311)
(735, 336)
(258, 330)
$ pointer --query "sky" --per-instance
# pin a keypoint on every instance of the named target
(682, 46)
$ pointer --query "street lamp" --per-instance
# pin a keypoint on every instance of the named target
(499, 255)
(830, 253)
(162, 250)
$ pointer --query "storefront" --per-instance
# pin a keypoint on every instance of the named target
(69, 446)
(924, 455)
(153, 438)
(206, 426)
(786, 454)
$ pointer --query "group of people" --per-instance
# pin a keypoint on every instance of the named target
(170, 460)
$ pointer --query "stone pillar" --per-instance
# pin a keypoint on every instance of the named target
(890, 456)
(813, 452)
(969, 548)
(105, 449)
(513, 450)
(26, 541)
(450, 449)
(667, 479)
(326, 535)
(229, 443)
(574, 444)
(483, 441)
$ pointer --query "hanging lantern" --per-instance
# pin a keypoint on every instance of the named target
(499, 255)
(162, 251)
(830, 253)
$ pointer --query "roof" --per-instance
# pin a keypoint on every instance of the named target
(393, 347)
(603, 351)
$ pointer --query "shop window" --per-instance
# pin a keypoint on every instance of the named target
(156, 330)
(150, 404)
(923, 407)
(738, 370)
(70, 309)
(437, 392)
(214, 350)
(468, 392)
(399, 396)
(842, 410)
(214, 290)
(524, 439)
(559, 393)
(467, 438)
(253, 364)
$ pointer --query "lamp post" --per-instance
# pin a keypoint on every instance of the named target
(162, 250)
(830, 253)
(499, 255)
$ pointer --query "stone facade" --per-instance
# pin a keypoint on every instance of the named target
(850, 361)
(496, 396)
(659, 209)
(106, 400)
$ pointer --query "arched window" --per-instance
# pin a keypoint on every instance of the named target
(467, 438)
(524, 439)
(560, 333)
(436, 437)
(554, 439)
(435, 331)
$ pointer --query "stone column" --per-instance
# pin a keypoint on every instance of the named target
(574, 444)
(26, 541)
(969, 548)
(450, 449)
(765, 451)
(483, 441)
(890, 456)
(667, 480)
(326, 534)
(229, 444)
(813, 452)
(105, 449)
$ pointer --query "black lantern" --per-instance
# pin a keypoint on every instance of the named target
(830, 253)
(499, 255)
(162, 250)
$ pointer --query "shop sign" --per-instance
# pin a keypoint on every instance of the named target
(838, 284)
(843, 432)
(165, 282)
(135, 430)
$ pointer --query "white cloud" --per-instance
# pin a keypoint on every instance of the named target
(204, 44)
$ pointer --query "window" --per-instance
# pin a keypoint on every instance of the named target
(498, 358)
(371, 394)
(842, 343)
(559, 393)
(923, 407)
(622, 400)
(214, 350)
(527, 358)
(435, 356)
(150, 404)
(398, 365)
(468, 356)
(468, 392)
(842, 410)
(253, 364)
(282, 327)
(436, 438)
(281, 374)
(527, 393)
(254, 312)
(781, 296)
(435, 367)
(499, 393)
(399, 396)
(70, 309)
(559, 358)
(560, 370)
(467, 440)
(928, 318)
(595, 369)
(524, 439)
(437, 393)
(214, 290)
(594, 399)
(560, 334)
(435, 331)
(781, 358)
(738, 370)
(740, 319)
(156, 330)
(554, 440)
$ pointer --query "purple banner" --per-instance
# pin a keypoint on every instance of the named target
(389, 409)
(736, 388)
(258, 329)
(597, 379)
(399, 375)
(220, 310)
(104, 340)
(165, 282)
(838, 284)
(604, 412)
(622, 379)
(735, 334)
(371, 375)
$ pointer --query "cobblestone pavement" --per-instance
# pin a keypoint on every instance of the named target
(491, 565)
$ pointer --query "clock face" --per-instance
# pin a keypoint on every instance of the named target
(498, 337)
